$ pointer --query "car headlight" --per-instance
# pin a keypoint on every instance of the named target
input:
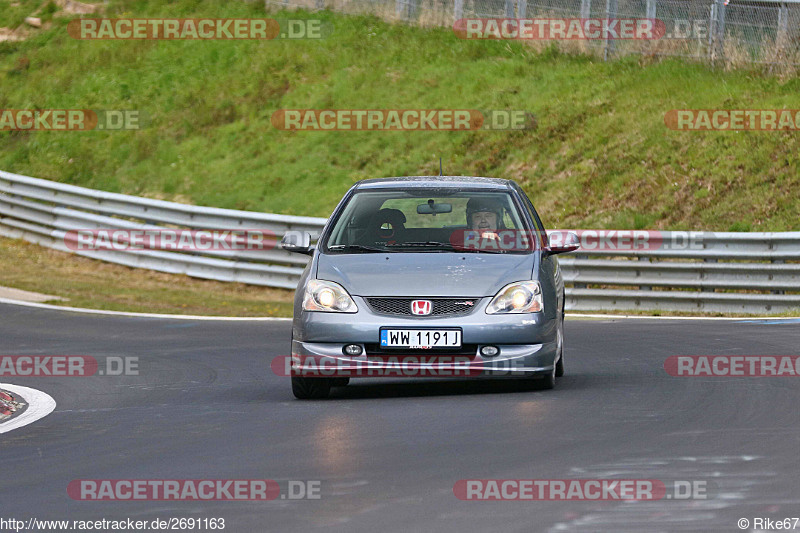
(327, 296)
(519, 297)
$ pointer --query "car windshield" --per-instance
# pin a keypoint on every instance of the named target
(427, 220)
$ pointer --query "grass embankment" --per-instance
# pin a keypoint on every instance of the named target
(600, 157)
(92, 284)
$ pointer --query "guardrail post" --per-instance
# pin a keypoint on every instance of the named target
(644, 287)
(611, 13)
(406, 9)
(782, 37)
(774, 262)
(576, 284)
(650, 10)
(650, 14)
(458, 10)
(522, 8)
(717, 33)
(712, 16)
(706, 289)
(586, 9)
(509, 9)
(778, 291)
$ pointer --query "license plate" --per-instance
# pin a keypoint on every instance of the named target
(420, 338)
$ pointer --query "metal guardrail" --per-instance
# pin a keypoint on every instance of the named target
(690, 272)
(43, 211)
(687, 286)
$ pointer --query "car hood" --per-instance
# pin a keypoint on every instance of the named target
(425, 274)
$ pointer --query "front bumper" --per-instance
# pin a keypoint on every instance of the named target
(527, 343)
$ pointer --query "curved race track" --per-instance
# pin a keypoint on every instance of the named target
(206, 406)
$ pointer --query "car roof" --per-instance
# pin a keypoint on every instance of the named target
(466, 182)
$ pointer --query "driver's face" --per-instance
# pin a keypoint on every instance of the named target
(484, 220)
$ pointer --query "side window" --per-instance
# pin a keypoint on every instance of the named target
(508, 221)
(539, 228)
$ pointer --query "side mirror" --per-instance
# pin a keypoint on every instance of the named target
(562, 241)
(298, 242)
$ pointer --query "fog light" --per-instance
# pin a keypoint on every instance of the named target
(490, 351)
(352, 349)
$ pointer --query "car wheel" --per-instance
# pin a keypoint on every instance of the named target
(311, 388)
(549, 380)
(340, 382)
(560, 364)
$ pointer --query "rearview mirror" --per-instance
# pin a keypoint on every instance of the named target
(298, 242)
(562, 241)
(432, 208)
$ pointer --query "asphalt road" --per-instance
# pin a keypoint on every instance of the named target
(206, 406)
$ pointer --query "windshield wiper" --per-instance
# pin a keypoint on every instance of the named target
(421, 243)
(481, 251)
(355, 247)
(447, 245)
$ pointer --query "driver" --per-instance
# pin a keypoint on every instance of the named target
(485, 215)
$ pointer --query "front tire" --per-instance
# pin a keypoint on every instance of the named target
(311, 388)
(549, 380)
(560, 367)
(560, 364)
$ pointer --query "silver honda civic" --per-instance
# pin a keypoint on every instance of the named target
(430, 277)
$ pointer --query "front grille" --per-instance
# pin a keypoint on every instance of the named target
(439, 355)
(441, 306)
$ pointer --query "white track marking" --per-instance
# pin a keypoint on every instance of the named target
(141, 315)
(40, 405)
(647, 317)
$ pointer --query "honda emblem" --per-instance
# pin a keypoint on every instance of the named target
(421, 307)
